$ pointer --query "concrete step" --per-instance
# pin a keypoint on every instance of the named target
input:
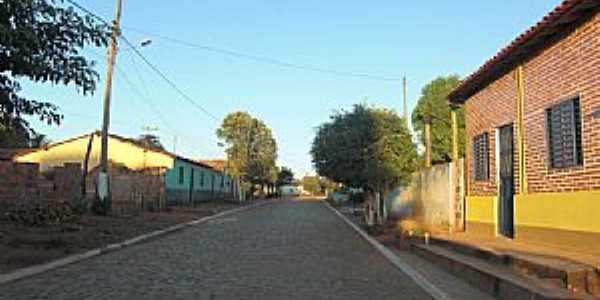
(492, 278)
(561, 272)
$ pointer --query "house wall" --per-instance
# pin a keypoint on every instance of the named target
(120, 152)
(184, 191)
(557, 205)
(137, 158)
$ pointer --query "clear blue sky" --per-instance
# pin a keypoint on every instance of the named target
(419, 39)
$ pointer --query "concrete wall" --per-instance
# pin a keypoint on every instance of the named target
(430, 198)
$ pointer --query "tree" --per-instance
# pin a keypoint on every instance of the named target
(150, 141)
(40, 41)
(368, 148)
(312, 184)
(285, 176)
(20, 137)
(434, 102)
(251, 149)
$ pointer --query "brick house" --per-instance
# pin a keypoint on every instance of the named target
(533, 132)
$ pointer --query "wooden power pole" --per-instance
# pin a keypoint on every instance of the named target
(454, 133)
(428, 143)
(103, 181)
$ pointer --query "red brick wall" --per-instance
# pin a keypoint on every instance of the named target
(485, 111)
(569, 67)
(21, 183)
(566, 69)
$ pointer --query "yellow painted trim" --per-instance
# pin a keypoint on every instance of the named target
(520, 105)
(578, 211)
(482, 209)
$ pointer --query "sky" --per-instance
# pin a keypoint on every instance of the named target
(417, 39)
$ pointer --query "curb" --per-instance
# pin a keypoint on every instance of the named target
(61, 262)
(425, 284)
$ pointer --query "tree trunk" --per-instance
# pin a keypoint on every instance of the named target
(85, 165)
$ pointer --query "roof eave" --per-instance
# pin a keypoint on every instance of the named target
(561, 20)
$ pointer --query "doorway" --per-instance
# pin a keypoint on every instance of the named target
(191, 191)
(506, 181)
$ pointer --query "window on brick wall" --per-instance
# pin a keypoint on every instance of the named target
(481, 157)
(563, 130)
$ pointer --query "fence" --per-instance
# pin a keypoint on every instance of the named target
(22, 183)
(133, 192)
(434, 197)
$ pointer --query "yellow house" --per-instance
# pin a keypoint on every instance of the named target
(186, 180)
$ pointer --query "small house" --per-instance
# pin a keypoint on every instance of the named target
(533, 132)
(185, 180)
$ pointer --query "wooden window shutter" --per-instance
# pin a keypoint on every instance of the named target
(481, 157)
(563, 123)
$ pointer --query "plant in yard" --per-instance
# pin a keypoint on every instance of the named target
(366, 147)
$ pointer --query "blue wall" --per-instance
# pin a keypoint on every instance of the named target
(187, 182)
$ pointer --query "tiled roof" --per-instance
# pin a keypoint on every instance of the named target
(526, 45)
(114, 136)
(217, 164)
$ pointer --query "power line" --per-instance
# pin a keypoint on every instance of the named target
(168, 81)
(149, 63)
(87, 11)
(142, 97)
(152, 105)
(138, 93)
(239, 54)
(148, 101)
(266, 60)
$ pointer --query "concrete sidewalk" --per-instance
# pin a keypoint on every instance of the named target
(586, 254)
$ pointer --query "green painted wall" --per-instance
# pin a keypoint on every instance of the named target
(203, 178)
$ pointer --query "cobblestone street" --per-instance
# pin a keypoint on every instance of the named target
(287, 250)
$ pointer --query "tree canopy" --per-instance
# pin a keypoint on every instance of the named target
(312, 184)
(251, 148)
(284, 176)
(366, 147)
(434, 101)
(40, 41)
(150, 141)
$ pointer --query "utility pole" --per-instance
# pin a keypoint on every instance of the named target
(405, 100)
(103, 181)
(454, 118)
(428, 144)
